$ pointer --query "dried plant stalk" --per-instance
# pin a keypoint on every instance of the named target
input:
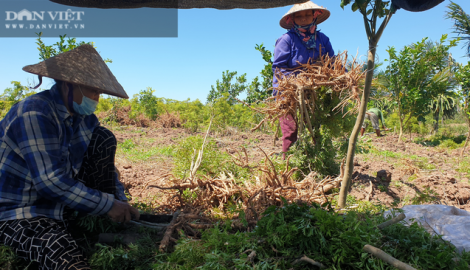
(297, 91)
(253, 196)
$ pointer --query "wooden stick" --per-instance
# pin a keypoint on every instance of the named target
(252, 256)
(370, 191)
(394, 220)
(387, 258)
(169, 231)
(310, 261)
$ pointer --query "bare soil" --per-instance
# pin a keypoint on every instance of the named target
(419, 174)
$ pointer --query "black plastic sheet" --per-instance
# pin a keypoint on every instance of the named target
(415, 5)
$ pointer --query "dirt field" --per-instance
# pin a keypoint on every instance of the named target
(411, 173)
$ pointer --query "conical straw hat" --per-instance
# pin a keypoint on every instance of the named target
(304, 6)
(83, 66)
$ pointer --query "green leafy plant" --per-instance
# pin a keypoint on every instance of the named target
(13, 95)
(415, 78)
(212, 161)
(147, 103)
(256, 91)
(226, 86)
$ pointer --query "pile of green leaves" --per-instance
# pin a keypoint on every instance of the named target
(286, 233)
(282, 235)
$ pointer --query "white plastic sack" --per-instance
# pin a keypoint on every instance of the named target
(450, 222)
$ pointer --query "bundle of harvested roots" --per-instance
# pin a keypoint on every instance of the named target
(203, 197)
(297, 91)
(213, 195)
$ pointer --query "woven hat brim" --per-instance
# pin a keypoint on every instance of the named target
(83, 66)
(304, 6)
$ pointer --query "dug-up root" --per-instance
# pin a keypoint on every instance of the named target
(200, 196)
(387, 258)
(186, 221)
(169, 231)
(297, 94)
(269, 186)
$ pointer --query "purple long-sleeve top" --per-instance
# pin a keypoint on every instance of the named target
(290, 49)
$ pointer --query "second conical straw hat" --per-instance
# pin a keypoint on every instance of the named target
(304, 6)
(83, 66)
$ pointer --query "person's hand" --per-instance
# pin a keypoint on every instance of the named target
(123, 212)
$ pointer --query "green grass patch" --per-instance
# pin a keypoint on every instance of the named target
(142, 152)
(423, 163)
(464, 167)
(412, 178)
(386, 153)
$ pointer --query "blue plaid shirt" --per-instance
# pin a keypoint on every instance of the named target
(41, 148)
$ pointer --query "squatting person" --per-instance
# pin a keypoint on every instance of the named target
(302, 43)
(373, 115)
(57, 159)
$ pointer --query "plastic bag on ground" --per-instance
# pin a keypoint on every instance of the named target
(450, 222)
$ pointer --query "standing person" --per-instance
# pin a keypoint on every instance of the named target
(57, 159)
(302, 43)
(373, 115)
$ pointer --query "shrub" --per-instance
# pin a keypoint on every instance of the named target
(319, 157)
(451, 141)
(212, 158)
(412, 126)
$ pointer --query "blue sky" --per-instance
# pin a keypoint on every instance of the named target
(211, 41)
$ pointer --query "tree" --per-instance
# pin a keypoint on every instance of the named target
(148, 103)
(442, 82)
(257, 91)
(226, 86)
(47, 51)
(444, 101)
(461, 23)
(418, 79)
(13, 95)
(462, 74)
(16, 93)
(371, 11)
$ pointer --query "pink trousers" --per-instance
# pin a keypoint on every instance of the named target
(289, 131)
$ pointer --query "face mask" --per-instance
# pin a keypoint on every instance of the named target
(87, 107)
